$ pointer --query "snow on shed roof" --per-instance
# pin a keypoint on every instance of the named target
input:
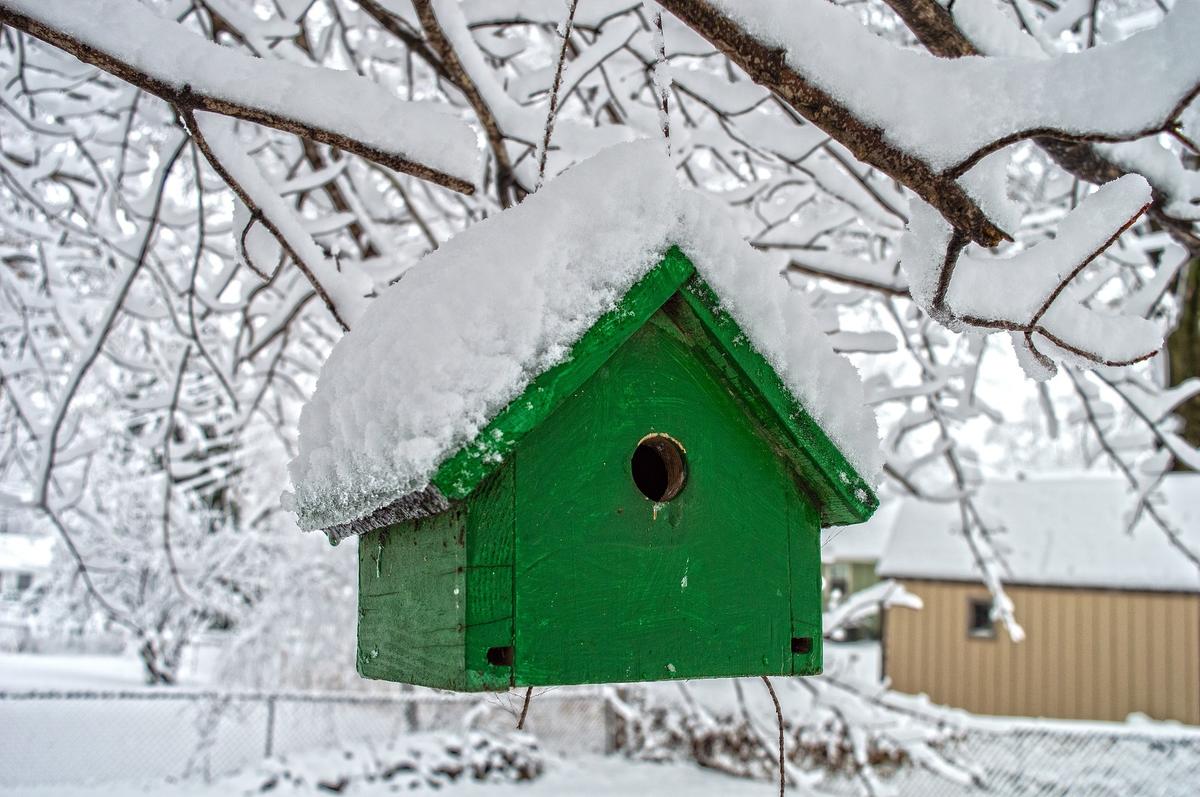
(1070, 532)
(440, 353)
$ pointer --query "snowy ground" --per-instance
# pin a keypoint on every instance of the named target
(583, 776)
(23, 671)
(140, 744)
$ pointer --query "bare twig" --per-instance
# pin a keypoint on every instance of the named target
(552, 111)
(525, 708)
(778, 719)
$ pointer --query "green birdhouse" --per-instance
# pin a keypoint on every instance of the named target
(647, 508)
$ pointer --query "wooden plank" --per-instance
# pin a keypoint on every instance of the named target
(843, 496)
(1103, 670)
(1188, 649)
(411, 602)
(1162, 611)
(1088, 653)
(489, 614)
(611, 586)
(1139, 640)
(805, 576)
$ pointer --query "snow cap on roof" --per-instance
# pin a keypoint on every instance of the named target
(436, 356)
(1067, 532)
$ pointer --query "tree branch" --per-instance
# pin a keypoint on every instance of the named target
(185, 93)
(453, 67)
(934, 26)
(768, 67)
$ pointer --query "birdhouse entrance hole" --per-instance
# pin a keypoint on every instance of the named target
(658, 467)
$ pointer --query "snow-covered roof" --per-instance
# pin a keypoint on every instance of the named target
(1070, 532)
(25, 553)
(864, 542)
(437, 356)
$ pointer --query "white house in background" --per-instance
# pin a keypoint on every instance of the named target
(24, 560)
(1111, 615)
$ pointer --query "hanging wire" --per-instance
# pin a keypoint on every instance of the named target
(778, 719)
(565, 32)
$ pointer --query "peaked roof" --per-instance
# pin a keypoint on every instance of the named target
(1062, 531)
(452, 365)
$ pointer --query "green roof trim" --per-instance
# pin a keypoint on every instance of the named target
(841, 494)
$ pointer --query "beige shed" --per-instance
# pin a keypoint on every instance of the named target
(1111, 615)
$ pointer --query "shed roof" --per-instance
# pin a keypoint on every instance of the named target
(1068, 532)
(440, 355)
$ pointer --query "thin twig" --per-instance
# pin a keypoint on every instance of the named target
(525, 708)
(552, 112)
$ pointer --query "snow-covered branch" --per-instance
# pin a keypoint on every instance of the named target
(926, 121)
(343, 290)
(867, 603)
(1032, 294)
(978, 27)
(335, 108)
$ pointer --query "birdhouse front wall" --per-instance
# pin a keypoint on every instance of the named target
(612, 586)
(560, 569)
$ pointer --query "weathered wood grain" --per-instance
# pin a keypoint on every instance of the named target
(613, 587)
(490, 580)
(412, 601)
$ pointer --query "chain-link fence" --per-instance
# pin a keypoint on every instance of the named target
(91, 736)
(49, 737)
(1048, 758)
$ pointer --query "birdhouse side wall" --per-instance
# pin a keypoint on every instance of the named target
(412, 601)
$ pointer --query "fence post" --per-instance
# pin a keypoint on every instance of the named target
(270, 744)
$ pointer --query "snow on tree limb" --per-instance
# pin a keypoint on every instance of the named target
(767, 64)
(343, 290)
(867, 603)
(930, 120)
(335, 108)
(978, 27)
(1030, 293)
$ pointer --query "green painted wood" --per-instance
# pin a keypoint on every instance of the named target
(459, 475)
(412, 601)
(805, 551)
(840, 493)
(612, 587)
(490, 524)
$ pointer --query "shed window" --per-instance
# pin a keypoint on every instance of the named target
(979, 619)
(23, 581)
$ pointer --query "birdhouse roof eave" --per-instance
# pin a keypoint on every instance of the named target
(838, 491)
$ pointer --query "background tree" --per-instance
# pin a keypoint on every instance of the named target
(197, 197)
